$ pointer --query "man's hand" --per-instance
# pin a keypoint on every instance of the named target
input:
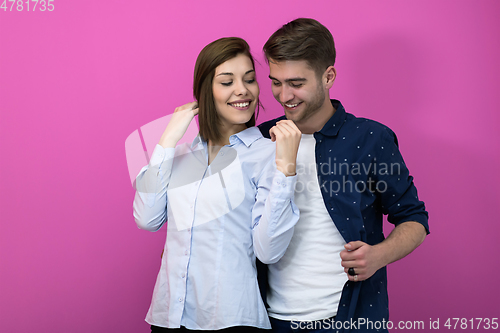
(287, 137)
(178, 124)
(363, 258)
(367, 259)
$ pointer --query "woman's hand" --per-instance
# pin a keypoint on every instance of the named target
(178, 124)
(287, 137)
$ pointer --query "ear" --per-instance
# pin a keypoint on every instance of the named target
(329, 77)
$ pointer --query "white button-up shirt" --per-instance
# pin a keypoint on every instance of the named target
(220, 216)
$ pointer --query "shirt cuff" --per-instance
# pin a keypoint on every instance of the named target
(285, 184)
(161, 155)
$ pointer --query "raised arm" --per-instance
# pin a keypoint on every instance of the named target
(275, 213)
(178, 124)
(150, 202)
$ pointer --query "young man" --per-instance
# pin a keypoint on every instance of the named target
(332, 277)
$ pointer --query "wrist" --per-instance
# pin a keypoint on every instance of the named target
(382, 255)
(167, 142)
(288, 169)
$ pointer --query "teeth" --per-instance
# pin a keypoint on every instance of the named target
(241, 105)
(291, 105)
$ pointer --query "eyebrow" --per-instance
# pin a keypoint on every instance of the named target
(229, 73)
(293, 79)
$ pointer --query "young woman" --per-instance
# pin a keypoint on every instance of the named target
(225, 198)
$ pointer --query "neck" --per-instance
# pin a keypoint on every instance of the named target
(316, 121)
(226, 132)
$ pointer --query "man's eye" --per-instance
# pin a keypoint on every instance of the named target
(227, 84)
(276, 83)
(298, 85)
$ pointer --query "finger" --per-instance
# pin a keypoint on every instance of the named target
(286, 128)
(283, 130)
(292, 129)
(291, 125)
(351, 246)
(355, 278)
(281, 122)
(347, 255)
(196, 111)
(348, 264)
(284, 121)
(191, 105)
(276, 131)
(357, 271)
(272, 134)
(187, 106)
(350, 260)
(294, 126)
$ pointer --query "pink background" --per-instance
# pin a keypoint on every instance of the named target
(75, 82)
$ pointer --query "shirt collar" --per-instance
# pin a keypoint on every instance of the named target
(334, 124)
(197, 140)
(247, 137)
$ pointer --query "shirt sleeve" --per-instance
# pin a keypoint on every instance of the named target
(399, 198)
(150, 202)
(274, 214)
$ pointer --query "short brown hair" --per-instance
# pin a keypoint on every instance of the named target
(302, 39)
(213, 55)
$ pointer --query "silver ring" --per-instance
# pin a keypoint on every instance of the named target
(355, 278)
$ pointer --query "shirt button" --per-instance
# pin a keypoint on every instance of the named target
(186, 252)
(180, 299)
(189, 229)
(221, 153)
(183, 275)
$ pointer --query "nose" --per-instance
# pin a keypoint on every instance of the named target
(240, 88)
(285, 94)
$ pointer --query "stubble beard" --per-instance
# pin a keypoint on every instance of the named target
(311, 109)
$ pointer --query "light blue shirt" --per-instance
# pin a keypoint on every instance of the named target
(220, 216)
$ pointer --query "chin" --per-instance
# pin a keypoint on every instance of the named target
(240, 121)
(247, 119)
(291, 116)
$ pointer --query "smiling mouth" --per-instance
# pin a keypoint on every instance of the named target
(240, 105)
(291, 106)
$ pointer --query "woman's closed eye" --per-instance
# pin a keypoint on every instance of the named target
(229, 83)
